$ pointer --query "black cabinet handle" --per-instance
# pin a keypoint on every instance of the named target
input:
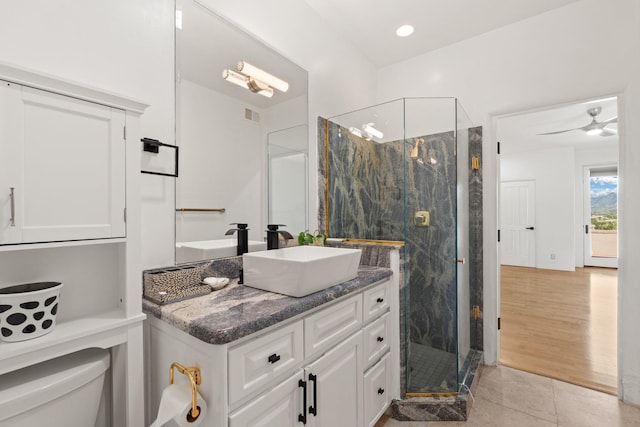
(530, 228)
(380, 390)
(274, 358)
(302, 418)
(379, 300)
(586, 229)
(314, 409)
(380, 339)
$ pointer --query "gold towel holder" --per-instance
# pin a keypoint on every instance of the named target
(193, 373)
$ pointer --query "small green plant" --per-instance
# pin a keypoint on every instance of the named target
(306, 238)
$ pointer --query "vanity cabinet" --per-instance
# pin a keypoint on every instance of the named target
(322, 368)
(62, 167)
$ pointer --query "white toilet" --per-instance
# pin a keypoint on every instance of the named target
(62, 392)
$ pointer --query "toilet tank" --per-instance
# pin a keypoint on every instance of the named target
(62, 392)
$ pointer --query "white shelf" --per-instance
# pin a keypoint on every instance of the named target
(104, 330)
(48, 245)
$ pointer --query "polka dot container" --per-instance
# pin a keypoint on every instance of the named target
(29, 310)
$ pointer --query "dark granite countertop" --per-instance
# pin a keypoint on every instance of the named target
(237, 311)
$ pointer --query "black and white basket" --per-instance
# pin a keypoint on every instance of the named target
(28, 310)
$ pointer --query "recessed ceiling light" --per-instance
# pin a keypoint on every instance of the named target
(404, 30)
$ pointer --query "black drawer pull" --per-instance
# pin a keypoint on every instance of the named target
(380, 390)
(380, 339)
(379, 300)
(302, 418)
(274, 358)
(314, 409)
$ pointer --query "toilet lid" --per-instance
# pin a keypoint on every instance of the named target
(35, 385)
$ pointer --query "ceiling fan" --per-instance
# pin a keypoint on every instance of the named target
(593, 128)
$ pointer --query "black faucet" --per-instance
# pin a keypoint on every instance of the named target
(273, 235)
(243, 237)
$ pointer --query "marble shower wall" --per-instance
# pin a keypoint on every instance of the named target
(366, 200)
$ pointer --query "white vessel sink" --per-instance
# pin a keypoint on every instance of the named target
(300, 270)
(209, 249)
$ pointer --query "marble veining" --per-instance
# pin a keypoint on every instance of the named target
(373, 191)
(237, 311)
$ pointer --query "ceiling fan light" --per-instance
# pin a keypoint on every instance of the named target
(594, 131)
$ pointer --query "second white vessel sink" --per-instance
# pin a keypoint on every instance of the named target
(210, 249)
(300, 270)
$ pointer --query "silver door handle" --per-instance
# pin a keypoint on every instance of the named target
(12, 220)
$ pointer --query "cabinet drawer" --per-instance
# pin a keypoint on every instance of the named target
(256, 362)
(330, 325)
(376, 339)
(278, 407)
(376, 301)
(376, 391)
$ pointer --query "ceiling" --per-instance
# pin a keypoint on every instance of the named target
(370, 24)
(520, 132)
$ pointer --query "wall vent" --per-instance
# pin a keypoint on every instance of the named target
(251, 115)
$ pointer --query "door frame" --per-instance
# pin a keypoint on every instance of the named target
(491, 201)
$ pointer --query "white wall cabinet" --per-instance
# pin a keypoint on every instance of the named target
(63, 151)
(317, 369)
(62, 167)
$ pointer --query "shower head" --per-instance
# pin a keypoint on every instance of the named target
(414, 151)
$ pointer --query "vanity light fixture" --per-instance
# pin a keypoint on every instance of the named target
(262, 76)
(247, 82)
(404, 30)
(369, 129)
(356, 132)
(367, 132)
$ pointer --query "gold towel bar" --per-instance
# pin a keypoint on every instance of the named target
(221, 210)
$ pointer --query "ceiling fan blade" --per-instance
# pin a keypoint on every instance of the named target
(608, 132)
(559, 131)
(611, 120)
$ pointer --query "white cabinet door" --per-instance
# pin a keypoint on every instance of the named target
(67, 167)
(334, 384)
(279, 407)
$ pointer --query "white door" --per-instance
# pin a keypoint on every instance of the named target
(67, 163)
(601, 216)
(517, 223)
(335, 387)
(279, 407)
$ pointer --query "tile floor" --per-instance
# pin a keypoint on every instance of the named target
(507, 397)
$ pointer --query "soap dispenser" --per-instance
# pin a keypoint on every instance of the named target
(243, 237)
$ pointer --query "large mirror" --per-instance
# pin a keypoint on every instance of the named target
(242, 154)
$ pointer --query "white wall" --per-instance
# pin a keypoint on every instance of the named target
(542, 61)
(553, 172)
(222, 159)
(584, 158)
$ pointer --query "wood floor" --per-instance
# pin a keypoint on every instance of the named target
(561, 324)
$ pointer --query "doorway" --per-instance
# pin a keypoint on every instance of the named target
(601, 216)
(557, 150)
